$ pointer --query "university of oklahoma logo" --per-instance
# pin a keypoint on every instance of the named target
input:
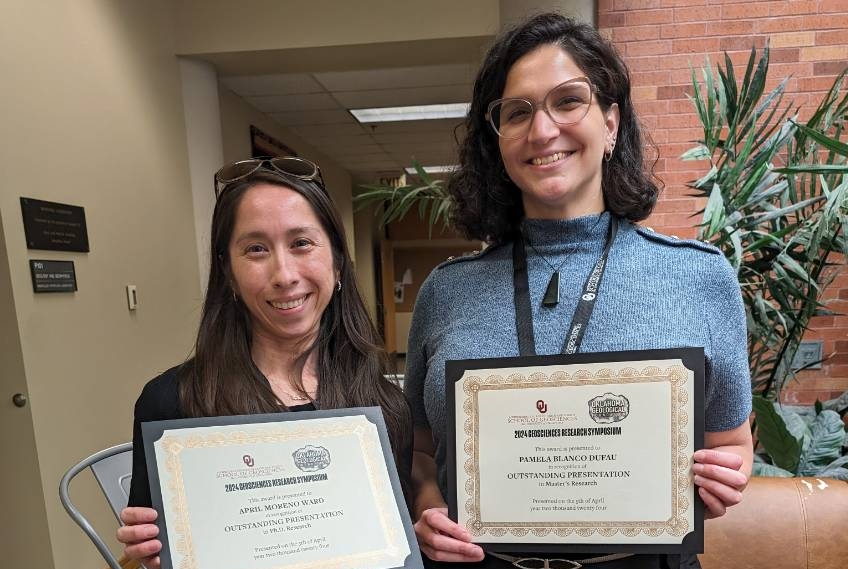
(541, 406)
(248, 460)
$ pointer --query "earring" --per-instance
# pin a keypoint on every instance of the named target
(235, 298)
(339, 285)
(608, 155)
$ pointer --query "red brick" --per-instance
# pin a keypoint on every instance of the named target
(676, 205)
(677, 107)
(826, 22)
(643, 94)
(683, 30)
(682, 61)
(648, 63)
(742, 43)
(779, 70)
(787, 24)
(675, 3)
(824, 53)
(635, 33)
(792, 39)
(729, 27)
(829, 67)
(694, 14)
(626, 5)
(679, 121)
(641, 17)
(837, 6)
(704, 46)
(830, 37)
(682, 134)
(744, 11)
(658, 47)
(843, 294)
(815, 83)
(674, 91)
(784, 55)
(680, 76)
(793, 7)
(611, 20)
(652, 107)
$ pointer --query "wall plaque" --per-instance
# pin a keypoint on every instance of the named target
(53, 276)
(54, 226)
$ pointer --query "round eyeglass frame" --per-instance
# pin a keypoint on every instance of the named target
(543, 104)
(276, 164)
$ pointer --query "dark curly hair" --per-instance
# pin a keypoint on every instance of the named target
(487, 204)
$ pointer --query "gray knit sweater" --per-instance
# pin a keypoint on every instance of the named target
(657, 292)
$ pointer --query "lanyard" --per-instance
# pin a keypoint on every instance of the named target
(524, 312)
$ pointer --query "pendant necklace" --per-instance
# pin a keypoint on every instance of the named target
(551, 297)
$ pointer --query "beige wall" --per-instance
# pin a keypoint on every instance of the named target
(92, 116)
(213, 26)
(236, 118)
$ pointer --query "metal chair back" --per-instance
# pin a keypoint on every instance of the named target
(112, 468)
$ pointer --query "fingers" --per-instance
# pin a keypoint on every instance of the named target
(727, 476)
(720, 458)
(146, 552)
(442, 539)
(131, 516)
(129, 535)
(152, 563)
(715, 508)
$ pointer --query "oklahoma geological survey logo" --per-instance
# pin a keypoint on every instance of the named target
(311, 458)
(609, 408)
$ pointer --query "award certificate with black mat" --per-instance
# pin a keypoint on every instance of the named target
(578, 453)
(305, 490)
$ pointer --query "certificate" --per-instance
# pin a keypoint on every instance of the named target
(306, 490)
(587, 452)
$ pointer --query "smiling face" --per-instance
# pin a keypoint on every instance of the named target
(282, 267)
(556, 167)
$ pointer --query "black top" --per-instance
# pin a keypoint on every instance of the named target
(160, 401)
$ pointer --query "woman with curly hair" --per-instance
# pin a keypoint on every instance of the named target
(552, 177)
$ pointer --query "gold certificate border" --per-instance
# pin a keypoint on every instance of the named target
(676, 525)
(261, 433)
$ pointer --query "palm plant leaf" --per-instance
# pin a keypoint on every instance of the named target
(776, 202)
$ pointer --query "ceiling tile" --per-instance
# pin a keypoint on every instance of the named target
(397, 78)
(313, 132)
(283, 103)
(280, 84)
(404, 97)
(304, 118)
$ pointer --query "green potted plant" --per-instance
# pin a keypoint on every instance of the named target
(777, 206)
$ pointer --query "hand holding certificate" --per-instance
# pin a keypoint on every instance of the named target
(578, 453)
(306, 490)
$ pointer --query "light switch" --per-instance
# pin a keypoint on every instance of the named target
(132, 297)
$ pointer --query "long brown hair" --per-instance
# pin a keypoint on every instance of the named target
(222, 379)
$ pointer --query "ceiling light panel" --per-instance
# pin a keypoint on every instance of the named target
(412, 113)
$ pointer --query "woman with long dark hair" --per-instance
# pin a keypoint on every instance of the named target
(283, 328)
(552, 165)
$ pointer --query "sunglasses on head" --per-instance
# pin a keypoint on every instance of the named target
(288, 165)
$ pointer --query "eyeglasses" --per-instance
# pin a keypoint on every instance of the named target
(565, 104)
(288, 165)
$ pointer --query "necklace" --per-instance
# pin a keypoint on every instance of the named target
(551, 297)
(297, 397)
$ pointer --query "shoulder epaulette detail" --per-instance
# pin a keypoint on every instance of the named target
(674, 241)
(467, 256)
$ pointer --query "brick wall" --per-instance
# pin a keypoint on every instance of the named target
(661, 39)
